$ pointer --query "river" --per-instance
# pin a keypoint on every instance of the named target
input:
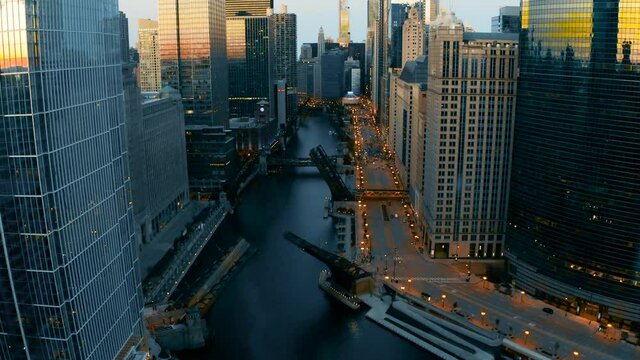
(273, 308)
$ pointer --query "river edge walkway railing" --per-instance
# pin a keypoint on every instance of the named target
(186, 256)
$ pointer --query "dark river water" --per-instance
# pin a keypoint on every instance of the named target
(273, 308)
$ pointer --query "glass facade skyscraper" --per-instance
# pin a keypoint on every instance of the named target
(193, 57)
(575, 195)
(69, 279)
(249, 50)
(399, 14)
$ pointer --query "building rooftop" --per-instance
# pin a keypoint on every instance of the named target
(415, 72)
(491, 36)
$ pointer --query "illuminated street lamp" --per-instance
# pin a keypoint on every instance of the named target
(409, 281)
(526, 336)
(444, 297)
(576, 354)
(521, 296)
(482, 315)
(484, 282)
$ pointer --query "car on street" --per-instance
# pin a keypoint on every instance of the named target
(548, 310)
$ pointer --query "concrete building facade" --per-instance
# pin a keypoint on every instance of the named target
(471, 102)
(149, 75)
(412, 37)
(164, 183)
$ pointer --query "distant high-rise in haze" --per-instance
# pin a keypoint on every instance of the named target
(149, 76)
(344, 37)
(573, 233)
(68, 265)
(248, 7)
(250, 52)
(193, 57)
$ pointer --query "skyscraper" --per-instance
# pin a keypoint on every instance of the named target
(469, 128)
(193, 57)
(250, 52)
(412, 37)
(574, 202)
(433, 11)
(68, 264)
(372, 16)
(248, 7)
(321, 43)
(344, 37)
(285, 48)
(149, 76)
(399, 14)
(508, 21)
(380, 60)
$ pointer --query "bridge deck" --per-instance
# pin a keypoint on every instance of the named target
(335, 262)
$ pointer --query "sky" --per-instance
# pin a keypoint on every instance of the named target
(312, 14)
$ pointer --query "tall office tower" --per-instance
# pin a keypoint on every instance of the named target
(413, 37)
(332, 74)
(433, 11)
(508, 21)
(124, 35)
(306, 52)
(250, 52)
(408, 86)
(306, 75)
(421, 6)
(193, 58)
(285, 48)
(357, 51)
(164, 183)
(470, 115)
(399, 14)
(380, 62)
(248, 7)
(317, 72)
(351, 71)
(574, 203)
(68, 265)
(372, 16)
(345, 31)
(149, 76)
(321, 43)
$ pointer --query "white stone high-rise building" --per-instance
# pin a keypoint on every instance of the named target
(412, 36)
(471, 100)
(149, 77)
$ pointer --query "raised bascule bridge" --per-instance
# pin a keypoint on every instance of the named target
(345, 280)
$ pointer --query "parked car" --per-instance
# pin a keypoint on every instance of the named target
(504, 288)
(548, 310)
